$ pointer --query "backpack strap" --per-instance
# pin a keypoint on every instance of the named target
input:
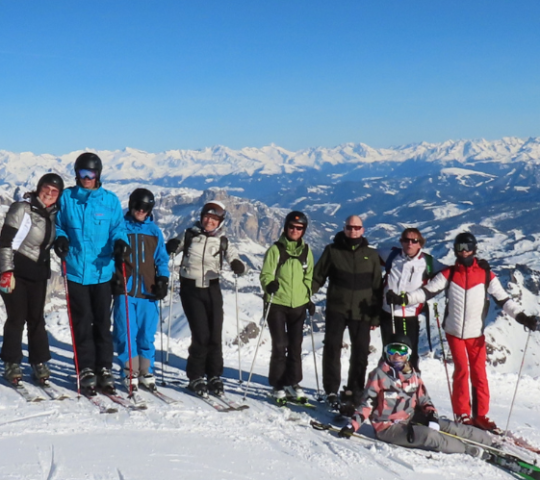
(284, 256)
(188, 239)
(484, 265)
(428, 273)
(388, 264)
(223, 246)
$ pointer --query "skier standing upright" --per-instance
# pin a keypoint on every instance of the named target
(147, 278)
(204, 246)
(467, 285)
(286, 278)
(25, 266)
(352, 301)
(91, 237)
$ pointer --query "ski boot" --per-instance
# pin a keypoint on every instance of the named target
(485, 423)
(134, 384)
(87, 379)
(199, 387)
(215, 385)
(106, 380)
(41, 372)
(148, 381)
(295, 394)
(280, 396)
(13, 373)
(465, 419)
(347, 407)
(332, 400)
(477, 452)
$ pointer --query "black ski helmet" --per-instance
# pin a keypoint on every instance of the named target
(214, 208)
(88, 161)
(51, 179)
(465, 241)
(296, 217)
(141, 199)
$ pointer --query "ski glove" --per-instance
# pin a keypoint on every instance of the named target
(172, 245)
(347, 431)
(392, 298)
(121, 249)
(117, 285)
(237, 267)
(529, 321)
(311, 308)
(160, 287)
(7, 282)
(272, 287)
(61, 247)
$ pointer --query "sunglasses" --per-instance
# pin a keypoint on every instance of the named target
(87, 174)
(295, 227)
(353, 227)
(410, 240)
(464, 247)
(398, 348)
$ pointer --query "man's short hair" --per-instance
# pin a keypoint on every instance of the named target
(416, 232)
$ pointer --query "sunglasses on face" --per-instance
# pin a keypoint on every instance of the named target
(298, 228)
(87, 174)
(355, 228)
(410, 240)
(464, 247)
(398, 348)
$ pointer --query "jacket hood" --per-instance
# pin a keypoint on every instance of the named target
(340, 240)
(293, 247)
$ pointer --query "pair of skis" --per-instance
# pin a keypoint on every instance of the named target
(51, 391)
(220, 403)
(511, 462)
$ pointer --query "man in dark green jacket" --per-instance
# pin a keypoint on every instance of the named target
(286, 280)
(353, 301)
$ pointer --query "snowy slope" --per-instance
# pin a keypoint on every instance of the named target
(71, 440)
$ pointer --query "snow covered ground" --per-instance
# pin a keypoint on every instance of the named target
(70, 440)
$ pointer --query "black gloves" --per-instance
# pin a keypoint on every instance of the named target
(61, 247)
(121, 249)
(346, 432)
(237, 267)
(172, 245)
(311, 308)
(530, 321)
(392, 298)
(160, 287)
(272, 287)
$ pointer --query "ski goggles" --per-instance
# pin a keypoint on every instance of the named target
(87, 174)
(143, 207)
(399, 348)
(464, 247)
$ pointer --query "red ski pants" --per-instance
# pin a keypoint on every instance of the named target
(469, 355)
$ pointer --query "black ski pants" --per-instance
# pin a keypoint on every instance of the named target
(286, 327)
(91, 314)
(204, 311)
(360, 334)
(25, 304)
(404, 325)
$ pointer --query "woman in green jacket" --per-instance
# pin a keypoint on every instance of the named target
(286, 279)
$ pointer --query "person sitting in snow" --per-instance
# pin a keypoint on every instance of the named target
(401, 412)
(147, 280)
(467, 285)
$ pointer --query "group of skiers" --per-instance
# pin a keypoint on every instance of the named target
(108, 256)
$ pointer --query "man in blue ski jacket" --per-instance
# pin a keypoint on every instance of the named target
(147, 282)
(90, 237)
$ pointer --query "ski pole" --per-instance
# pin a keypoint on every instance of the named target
(170, 309)
(517, 383)
(257, 347)
(319, 396)
(75, 357)
(403, 313)
(238, 330)
(436, 311)
(161, 335)
(128, 332)
(393, 320)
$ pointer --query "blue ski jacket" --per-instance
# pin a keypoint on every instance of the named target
(92, 221)
(148, 259)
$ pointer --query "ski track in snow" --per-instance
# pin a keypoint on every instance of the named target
(55, 440)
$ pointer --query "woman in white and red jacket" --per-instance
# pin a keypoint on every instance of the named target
(467, 284)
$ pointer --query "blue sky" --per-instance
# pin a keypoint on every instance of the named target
(160, 75)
